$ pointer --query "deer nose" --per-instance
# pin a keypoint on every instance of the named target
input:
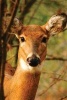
(33, 60)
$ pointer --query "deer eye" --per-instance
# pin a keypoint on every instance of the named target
(44, 40)
(22, 39)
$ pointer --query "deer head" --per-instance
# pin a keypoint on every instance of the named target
(33, 41)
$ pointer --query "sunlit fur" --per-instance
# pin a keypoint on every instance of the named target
(32, 45)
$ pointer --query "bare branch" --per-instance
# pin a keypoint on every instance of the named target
(34, 12)
(12, 1)
(54, 81)
(63, 98)
(44, 91)
(10, 58)
(53, 57)
(56, 58)
(51, 75)
(26, 9)
(13, 15)
(2, 47)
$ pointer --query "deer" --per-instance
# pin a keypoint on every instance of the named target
(33, 39)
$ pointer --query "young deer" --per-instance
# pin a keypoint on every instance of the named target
(32, 52)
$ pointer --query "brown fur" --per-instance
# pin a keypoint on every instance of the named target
(25, 88)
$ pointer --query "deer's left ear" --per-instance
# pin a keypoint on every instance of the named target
(56, 24)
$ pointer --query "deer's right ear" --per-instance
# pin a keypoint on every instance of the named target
(56, 24)
(17, 27)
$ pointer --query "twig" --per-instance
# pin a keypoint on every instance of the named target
(63, 98)
(43, 92)
(54, 76)
(34, 11)
(59, 58)
(12, 1)
(26, 9)
(52, 57)
(12, 17)
(10, 58)
(60, 79)
(16, 45)
(53, 82)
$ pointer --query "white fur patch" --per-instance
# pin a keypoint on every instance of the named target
(26, 67)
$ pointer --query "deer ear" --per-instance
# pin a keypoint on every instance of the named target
(16, 27)
(56, 24)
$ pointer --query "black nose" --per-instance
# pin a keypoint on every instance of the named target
(33, 60)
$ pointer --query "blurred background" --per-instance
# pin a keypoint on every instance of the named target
(53, 81)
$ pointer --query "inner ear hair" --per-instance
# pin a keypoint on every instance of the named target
(56, 23)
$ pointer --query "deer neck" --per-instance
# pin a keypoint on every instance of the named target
(24, 84)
